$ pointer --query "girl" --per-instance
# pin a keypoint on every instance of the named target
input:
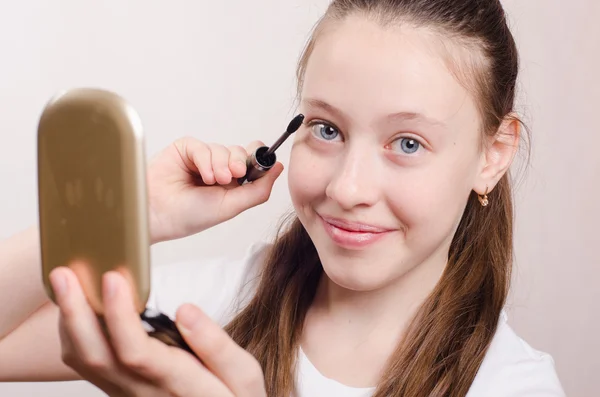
(390, 278)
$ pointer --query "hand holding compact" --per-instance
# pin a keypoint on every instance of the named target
(122, 360)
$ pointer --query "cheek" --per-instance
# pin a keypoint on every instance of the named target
(307, 176)
(413, 204)
(432, 202)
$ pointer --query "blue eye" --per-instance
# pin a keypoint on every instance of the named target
(325, 131)
(408, 145)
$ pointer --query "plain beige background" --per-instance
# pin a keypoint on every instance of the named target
(223, 71)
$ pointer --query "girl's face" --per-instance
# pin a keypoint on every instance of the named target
(381, 171)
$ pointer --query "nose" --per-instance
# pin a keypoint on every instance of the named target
(356, 180)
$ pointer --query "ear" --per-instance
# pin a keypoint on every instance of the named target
(498, 155)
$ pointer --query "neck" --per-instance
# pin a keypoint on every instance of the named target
(350, 335)
(383, 313)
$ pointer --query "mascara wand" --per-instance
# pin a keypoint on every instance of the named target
(264, 158)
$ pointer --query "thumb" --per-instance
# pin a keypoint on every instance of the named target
(256, 192)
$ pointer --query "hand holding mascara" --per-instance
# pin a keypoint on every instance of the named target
(264, 158)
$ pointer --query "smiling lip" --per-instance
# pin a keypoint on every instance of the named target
(353, 235)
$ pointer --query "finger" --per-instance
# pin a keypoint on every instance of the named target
(130, 341)
(174, 369)
(237, 368)
(239, 156)
(89, 373)
(252, 146)
(84, 344)
(255, 193)
(237, 161)
(220, 163)
(70, 358)
(196, 156)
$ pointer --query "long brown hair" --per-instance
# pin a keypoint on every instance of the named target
(447, 340)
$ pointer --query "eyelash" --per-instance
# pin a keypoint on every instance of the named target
(314, 123)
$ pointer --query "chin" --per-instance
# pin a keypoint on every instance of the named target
(358, 270)
(354, 274)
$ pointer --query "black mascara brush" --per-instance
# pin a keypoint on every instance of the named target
(264, 158)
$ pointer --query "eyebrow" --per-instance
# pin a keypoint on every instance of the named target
(399, 116)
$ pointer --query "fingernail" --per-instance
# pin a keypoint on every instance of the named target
(110, 285)
(240, 163)
(59, 283)
(188, 318)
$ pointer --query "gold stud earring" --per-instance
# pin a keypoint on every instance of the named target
(484, 199)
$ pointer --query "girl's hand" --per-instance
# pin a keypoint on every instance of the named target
(193, 186)
(125, 361)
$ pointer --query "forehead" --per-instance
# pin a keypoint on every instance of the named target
(370, 71)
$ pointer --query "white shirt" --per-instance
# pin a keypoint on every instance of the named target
(220, 286)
